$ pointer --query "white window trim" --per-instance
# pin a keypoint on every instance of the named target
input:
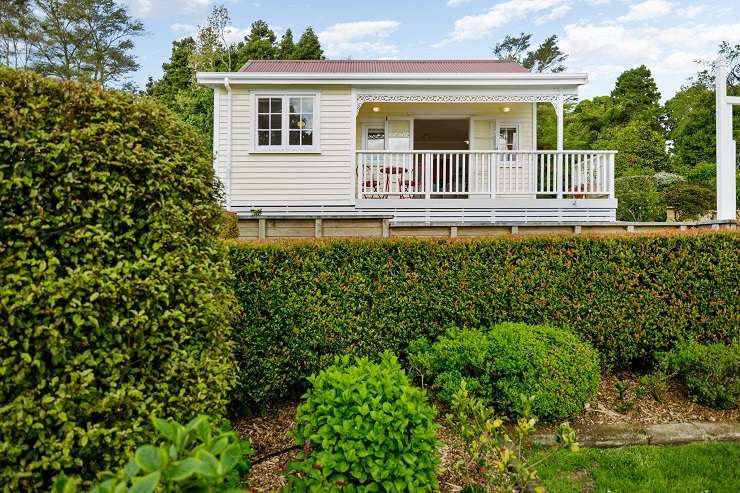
(508, 124)
(285, 148)
(366, 126)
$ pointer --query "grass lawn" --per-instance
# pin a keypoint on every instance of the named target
(711, 468)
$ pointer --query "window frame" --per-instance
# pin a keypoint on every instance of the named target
(505, 124)
(285, 147)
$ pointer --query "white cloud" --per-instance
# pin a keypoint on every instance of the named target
(647, 10)
(152, 8)
(606, 49)
(359, 38)
(612, 41)
(556, 13)
(479, 26)
(691, 11)
(235, 34)
(186, 29)
(455, 3)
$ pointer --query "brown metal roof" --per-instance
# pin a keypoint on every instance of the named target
(383, 66)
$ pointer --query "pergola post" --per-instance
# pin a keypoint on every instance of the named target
(559, 113)
(559, 159)
(726, 172)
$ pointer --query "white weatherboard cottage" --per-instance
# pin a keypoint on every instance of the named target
(421, 140)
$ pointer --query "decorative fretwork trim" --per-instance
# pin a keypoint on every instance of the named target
(460, 98)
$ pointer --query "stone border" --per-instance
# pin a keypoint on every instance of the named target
(623, 435)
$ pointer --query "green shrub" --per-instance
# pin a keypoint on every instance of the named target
(639, 199)
(509, 361)
(365, 428)
(493, 456)
(710, 372)
(194, 457)
(691, 200)
(114, 301)
(629, 296)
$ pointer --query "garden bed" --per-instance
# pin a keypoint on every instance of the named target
(675, 407)
(269, 433)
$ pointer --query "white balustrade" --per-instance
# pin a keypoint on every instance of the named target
(479, 174)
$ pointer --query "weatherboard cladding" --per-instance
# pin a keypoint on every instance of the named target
(384, 66)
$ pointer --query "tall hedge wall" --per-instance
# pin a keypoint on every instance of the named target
(630, 296)
(114, 300)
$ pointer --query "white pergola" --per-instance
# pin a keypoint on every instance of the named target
(726, 155)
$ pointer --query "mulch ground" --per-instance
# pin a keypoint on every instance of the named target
(270, 433)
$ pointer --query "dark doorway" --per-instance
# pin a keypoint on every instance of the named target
(441, 135)
(449, 170)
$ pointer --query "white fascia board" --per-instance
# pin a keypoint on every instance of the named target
(385, 79)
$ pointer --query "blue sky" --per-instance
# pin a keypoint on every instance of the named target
(603, 37)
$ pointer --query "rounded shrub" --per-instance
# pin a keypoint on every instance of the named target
(365, 428)
(709, 372)
(509, 361)
(114, 300)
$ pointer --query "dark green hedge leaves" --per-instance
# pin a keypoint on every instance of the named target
(629, 296)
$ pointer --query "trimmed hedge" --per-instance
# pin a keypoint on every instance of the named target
(500, 365)
(630, 296)
(114, 300)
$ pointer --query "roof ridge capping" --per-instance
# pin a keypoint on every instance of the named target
(384, 66)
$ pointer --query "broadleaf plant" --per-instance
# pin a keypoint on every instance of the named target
(190, 458)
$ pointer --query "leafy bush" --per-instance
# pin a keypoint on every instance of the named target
(194, 457)
(492, 460)
(365, 428)
(710, 372)
(114, 298)
(691, 200)
(230, 226)
(639, 199)
(629, 296)
(509, 361)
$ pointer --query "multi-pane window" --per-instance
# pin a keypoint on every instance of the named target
(508, 138)
(269, 121)
(286, 122)
(300, 119)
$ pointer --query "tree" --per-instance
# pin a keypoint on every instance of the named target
(286, 50)
(636, 96)
(586, 122)
(641, 148)
(58, 49)
(109, 40)
(212, 52)
(732, 55)
(547, 57)
(69, 39)
(309, 47)
(259, 44)
(178, 73)
(513, 48)
(690, 125)
(16, 21)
